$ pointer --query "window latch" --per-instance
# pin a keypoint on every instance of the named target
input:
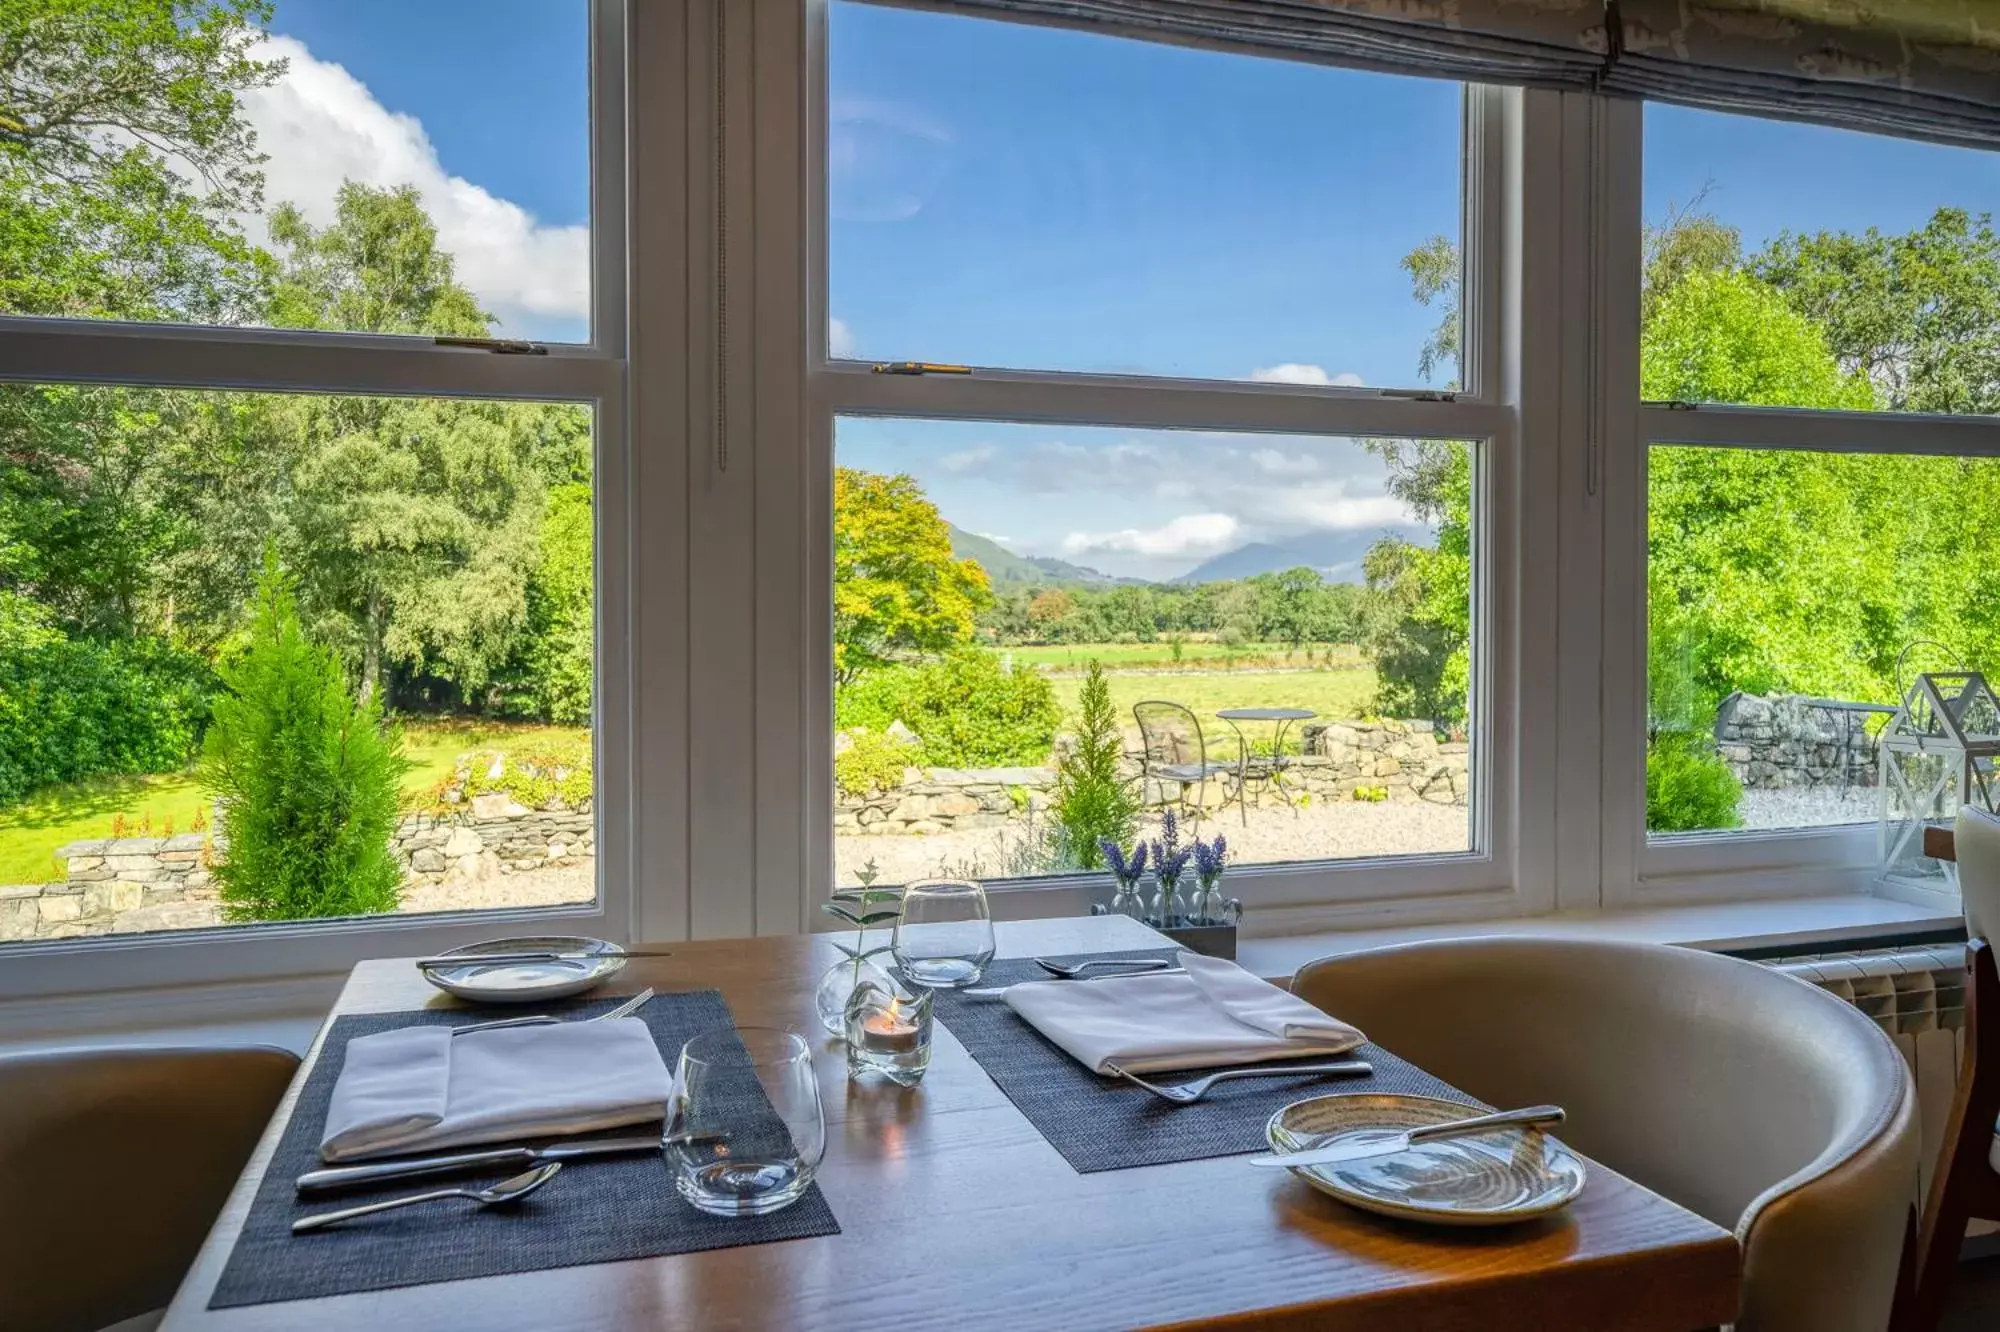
(501, 346)
(919, 368)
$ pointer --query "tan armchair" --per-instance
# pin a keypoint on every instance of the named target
(113, 1165)
(1748, 1097)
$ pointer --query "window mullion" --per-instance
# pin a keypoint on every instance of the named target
(1821, 431)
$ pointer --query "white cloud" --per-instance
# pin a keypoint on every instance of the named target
(321, 126)
(1330, 506)
(1189, 534)
(969, 460)
(839, 338)
(1293, 372)
(1276, 462)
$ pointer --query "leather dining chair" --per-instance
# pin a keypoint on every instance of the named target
(1965, 1186)
(113, 1165)
(1750, 1098)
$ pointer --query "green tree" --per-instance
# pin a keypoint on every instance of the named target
(1092, 800)
(1292, 607)
(897, 590)
(104, 105)
(1916, 315)
(561, 625)
(307, 773)
(416, 522)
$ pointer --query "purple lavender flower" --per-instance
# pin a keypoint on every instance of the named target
(1169, 865)
(1170, 835)
(1209, 860)
(1124, 870)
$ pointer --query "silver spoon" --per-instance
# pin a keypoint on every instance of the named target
(1071, 970)
(506, 1191)
(1187, 1093)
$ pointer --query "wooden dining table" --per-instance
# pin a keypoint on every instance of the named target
(956, 1213)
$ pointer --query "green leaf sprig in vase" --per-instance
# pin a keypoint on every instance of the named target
(862, 908)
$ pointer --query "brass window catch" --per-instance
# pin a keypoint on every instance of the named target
(919, 368)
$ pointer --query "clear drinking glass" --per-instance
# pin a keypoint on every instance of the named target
(944, 938)
(757, 1086)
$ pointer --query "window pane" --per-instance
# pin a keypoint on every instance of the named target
(1794, 266)
(1009, 195)
(222, 172)
(1793, 598)
(981, 571)
(223, 617)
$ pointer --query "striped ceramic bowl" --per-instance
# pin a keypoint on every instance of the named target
(1482, 1179)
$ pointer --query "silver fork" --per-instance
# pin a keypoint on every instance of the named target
(1187, 1093)
(1071, 970)
(626, 1009)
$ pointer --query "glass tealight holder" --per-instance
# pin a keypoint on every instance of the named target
(888, 1033)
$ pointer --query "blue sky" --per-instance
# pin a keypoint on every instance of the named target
(1009, 195)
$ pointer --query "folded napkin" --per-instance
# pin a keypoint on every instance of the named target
(1215, 1013)
(424, 1089)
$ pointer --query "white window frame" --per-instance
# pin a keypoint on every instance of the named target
(800, 390)
(36, 350)
(1644, 871)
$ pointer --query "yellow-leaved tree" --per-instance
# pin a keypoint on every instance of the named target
(897, 589)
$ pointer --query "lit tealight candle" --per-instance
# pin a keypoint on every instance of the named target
(888, 1031)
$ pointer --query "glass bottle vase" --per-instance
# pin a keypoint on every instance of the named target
(1170, 907)
(837, 986)
(1125, 901)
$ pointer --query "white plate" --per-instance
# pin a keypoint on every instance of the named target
(1492, 1178)
(528, 982)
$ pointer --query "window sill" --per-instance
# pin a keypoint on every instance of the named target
(1802, 924)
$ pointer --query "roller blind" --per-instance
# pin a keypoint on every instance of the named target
(1924, 68)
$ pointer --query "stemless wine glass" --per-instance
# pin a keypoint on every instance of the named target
(944, 938)
(755, 1085)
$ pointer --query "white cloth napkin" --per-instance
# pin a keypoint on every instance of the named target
(424, 1089)
(1216, 1013)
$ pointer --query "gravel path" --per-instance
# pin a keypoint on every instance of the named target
(1811, 807)
(1319, 832)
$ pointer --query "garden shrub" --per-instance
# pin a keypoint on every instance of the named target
(71, 709)
(872, 762)
(308, 776)
(549, 770)
(1688, 786)
(1093, 802)
(968, 709)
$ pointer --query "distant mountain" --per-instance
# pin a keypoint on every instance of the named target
(1335, 554)
(1005, 568)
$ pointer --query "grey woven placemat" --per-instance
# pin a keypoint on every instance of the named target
(602, 1211)
(1100, 1123)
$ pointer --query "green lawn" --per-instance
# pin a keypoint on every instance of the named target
(1333, 694)
(1116, 656)
(151, 806)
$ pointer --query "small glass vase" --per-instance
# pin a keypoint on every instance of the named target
(1125, 900)
(838, 986)
(1170, 907)
(1205, 907)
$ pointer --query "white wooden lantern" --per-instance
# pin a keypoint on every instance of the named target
(1941, 750)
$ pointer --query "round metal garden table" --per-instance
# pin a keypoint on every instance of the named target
(1281, 720)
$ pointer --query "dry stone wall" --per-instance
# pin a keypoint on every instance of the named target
(1790, 740)
(1387, 760)
(131, 885)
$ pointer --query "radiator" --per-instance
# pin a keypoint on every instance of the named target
(1917, 996)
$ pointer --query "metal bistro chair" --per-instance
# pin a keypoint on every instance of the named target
(1174, 750)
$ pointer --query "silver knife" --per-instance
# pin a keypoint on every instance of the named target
(336, 1177)
(1389, 1144)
